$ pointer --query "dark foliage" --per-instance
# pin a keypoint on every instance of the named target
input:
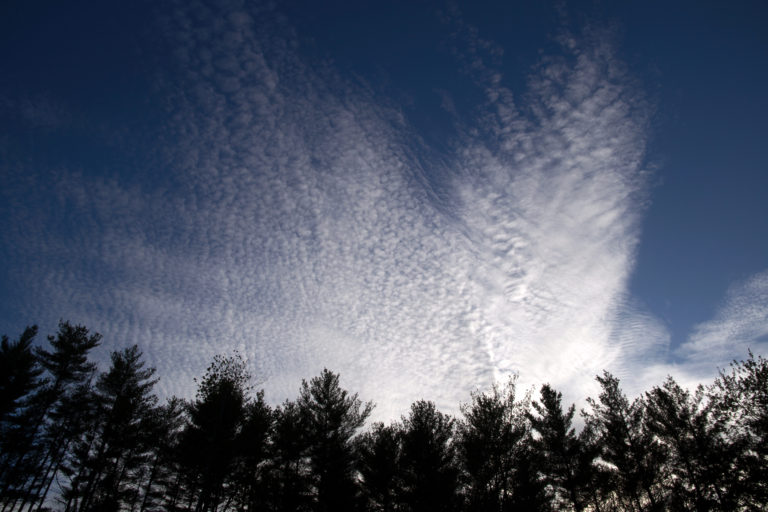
(288, 475)
(739, 404)
(558, 450)
(76, 441)
(331, 418)
(630, 462)
(490, 444)
(19, 371)
(56, 413)
(108, 462)
(19, 378)
(380, 457)
(208, 448)
(428, 467)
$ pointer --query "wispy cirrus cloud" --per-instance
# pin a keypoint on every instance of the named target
(740, 324)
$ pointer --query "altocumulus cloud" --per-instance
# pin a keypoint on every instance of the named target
(290, 217)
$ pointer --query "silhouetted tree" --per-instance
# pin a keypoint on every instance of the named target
(108, 461)
(332, 418)
(489, 439)
(208, 447)
(740, 403)
(287, 474)
(253, 452)
(19, 377)
(68, 444)
(592, 477)
(634, 461)
(60, 405)
(428, 469)
(161, 478)
(699, 458)
(379, 453)
(527, 489)
(19, 372)
(557, 447)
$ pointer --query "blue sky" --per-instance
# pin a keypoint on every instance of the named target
(426, 198)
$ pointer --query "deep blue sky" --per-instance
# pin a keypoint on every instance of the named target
(708, 218)
(438, 191)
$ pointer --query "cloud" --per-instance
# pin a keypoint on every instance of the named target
(287, 213)
(305, 197)
(551, 205)
(740, 324)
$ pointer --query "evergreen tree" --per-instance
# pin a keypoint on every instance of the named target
(108, 462)
(58, 408)
(428, 469)
(253, 452)
(558, 449)
(160, 480)
(332, 418)
(287, 474)
(592, 477)
(109, 447)
(700, 460)
(740, 402)
(489, 439)
(634, 461)
(19, 372)
(527, 489)
(19, 377)
(208, 448)
(379, 453)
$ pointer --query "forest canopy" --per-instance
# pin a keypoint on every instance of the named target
(76, 439)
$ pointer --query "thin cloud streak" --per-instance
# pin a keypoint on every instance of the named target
(740, 324)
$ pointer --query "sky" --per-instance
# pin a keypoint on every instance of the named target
(424, 197)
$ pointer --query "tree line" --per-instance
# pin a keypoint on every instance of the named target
(74, 439)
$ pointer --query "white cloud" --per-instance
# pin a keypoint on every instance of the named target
(289, 218)
(552, 212)
(307, 202)
(740, 324)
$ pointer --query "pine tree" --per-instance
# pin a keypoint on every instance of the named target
(592, 477)
(160, 477)
(287, 474)
(19, 378)
(740, 403)
(58, 408)
(558, 448)
(19, 372)
(253, 453)
(379, 459)
(700, 458)
(527, 490)
(208, 448)
(109, 459)
(490, 436)
(332, 417)
(634, 461)
(429, 470)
